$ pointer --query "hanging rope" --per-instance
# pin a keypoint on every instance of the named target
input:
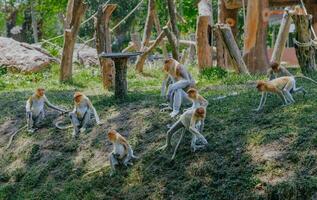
(126, 17)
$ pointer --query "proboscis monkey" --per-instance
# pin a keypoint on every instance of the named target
(81, 114)
(180, 80)
(198, 101)
(277, 71)
(122, 151)
(196, 98)
(188, 121)
(35, 112)
(282, 86)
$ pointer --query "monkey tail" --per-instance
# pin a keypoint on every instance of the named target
(57, 125)
(13, 134)
(307, 78)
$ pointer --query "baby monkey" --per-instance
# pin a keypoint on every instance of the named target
(81, 114)
(282, 86)
(122, 152)
(187, 122)
(35, 112)
(277, 71)
(196, 98)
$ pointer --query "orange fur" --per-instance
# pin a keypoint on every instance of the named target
(114, 137)
(200, 112)
(40, 92)
(78, 97)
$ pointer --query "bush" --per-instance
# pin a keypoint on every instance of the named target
(213, 73)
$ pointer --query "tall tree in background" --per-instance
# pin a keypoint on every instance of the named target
(75, 12)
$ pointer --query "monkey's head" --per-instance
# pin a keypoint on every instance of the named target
(192, 93)
(260, 85)
(275, 66)
(40, 92)
(200, 112)
(168, 65)
(112, 135)
(78, 96)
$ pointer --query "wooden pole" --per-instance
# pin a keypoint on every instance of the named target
(103, 43)
(75, 12)
(305, 51)
(225, 15)
(281, 37)
(204, 35)
(233, 49)
(255, 48)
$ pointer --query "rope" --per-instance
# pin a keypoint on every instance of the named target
(305, 44)
(92, 16)
(126, 17)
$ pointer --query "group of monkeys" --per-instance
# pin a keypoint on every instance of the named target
(178, 88)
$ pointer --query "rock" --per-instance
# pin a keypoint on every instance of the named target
(85, 55)
(22, 57)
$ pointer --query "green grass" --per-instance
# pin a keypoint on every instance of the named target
(275, 148)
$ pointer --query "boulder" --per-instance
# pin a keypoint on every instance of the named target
(22, 57)
(85, 55)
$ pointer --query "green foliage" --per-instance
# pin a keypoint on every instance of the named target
(213, 73)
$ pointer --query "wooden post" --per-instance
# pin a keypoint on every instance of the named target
(255, 48)
(75, 12)
(226, 15)
(103, 43)
(147, 34)
(121, 88)
(232, 48)
(281, 38)
(203, 35)
(305, 52)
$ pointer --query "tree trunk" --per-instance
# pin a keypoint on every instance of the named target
(147, 34)
(225, 16)
(229, 42)
(255, 49)
(172, 36)
(204, 35)
(305, 52)
(173, 42)
(192, 49)
(159, 30)
(144, 55)
(173, 17)
(311, 6)
(75, 12)
(34, 24)
(281, 38)
(103, 43)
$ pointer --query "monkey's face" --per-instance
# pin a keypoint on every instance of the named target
(192, 93)
(260, 86)
(112, 135)
(77, 97)
(40, 92)
(200, 112)
(168, 64)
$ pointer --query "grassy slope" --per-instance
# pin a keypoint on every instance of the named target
(276, 148)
